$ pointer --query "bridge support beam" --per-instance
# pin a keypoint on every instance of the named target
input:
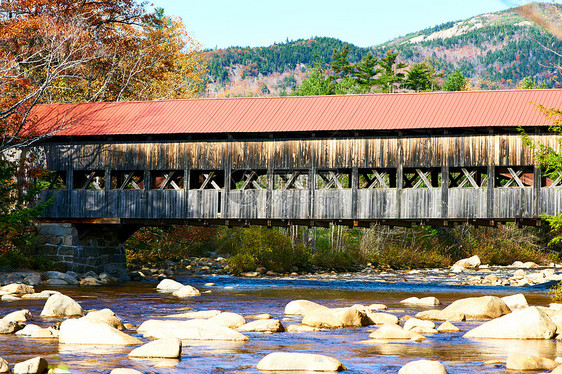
(87, 247)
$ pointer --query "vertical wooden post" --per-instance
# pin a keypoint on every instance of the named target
(270, 185)
(444, 191)
(354, 191)
(69, 187)
(537, 198)
(146, 209)
(107, 189)
(491, 188)
(399, 186)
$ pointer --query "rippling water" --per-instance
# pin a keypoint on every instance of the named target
(137, 302)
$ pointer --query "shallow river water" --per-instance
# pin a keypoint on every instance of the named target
(137, 302)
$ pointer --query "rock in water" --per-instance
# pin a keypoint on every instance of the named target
(19, 316)
(284, 361)
(168, 285)
(485, 307)
(515, 301)
(448, 327)
(391, 331)
(230, 320)
(161, 348)
(263, 325)
(106, 315)
(469, 263)
(34, 366)
(4, 368)
(195, 329)
(335, 318)
(301, 307)
(186, 291)
(528, 323)
(90, 331)
(59, 305)
(525, 362)
(423, 367)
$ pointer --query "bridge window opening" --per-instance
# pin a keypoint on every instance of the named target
(54, 180)
(333, 179)
(422, 178)
(468, 177)
(553, 180)
(166, 179)
(249, 180)
(290, 180)
(89, 179)
(127, 180)
(377, 178)
(514, 177)
(206, 180)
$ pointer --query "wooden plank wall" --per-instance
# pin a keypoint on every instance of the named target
(310, 155)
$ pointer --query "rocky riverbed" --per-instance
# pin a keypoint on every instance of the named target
(258, 325)
(468, 271)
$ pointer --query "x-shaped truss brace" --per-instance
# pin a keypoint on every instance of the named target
(168, 180)
(90, 180)
(469, 178)
(209, 179)
(251, 178)
(129, 179)
(290, 180)
(378, 179)
(515, 178)
(423, 179)
(332, 179)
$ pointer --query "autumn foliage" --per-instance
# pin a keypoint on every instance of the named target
(80, 51)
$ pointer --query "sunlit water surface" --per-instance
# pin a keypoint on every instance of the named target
(137, 302)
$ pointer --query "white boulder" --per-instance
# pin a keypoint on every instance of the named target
(161, 348)
(91, 331)
(284, 361)
(59, 305)
(302, 307)
(423, 367)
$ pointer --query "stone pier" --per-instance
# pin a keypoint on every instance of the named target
(86, 247)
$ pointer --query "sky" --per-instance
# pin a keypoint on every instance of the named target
(226, 23)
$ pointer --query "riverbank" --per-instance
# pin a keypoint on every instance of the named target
(518, 274)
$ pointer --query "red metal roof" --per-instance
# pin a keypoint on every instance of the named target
(435, 110)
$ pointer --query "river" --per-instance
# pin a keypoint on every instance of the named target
(136, 302)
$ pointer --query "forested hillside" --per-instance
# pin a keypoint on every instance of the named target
(495, 50)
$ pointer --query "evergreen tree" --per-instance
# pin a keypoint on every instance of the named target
(390, 77)
(422, 77)
(316, 84)
(456, 82)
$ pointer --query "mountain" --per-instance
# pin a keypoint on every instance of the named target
(495, 50)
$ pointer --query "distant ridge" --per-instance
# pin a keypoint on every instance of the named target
(495, 50)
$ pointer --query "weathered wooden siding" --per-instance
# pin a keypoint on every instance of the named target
(398, 201)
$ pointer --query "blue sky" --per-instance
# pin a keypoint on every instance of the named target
(225, 23)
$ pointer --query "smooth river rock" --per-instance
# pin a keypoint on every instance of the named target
(18, 289)
(526, 362)
(469, 263)
(161, 348)
(285, 361)
(108, 316)
(381, 318)
(9, 327)
(19, 316)
(28, 330)
(33, 366)
(168, 285)
(528, 323)
(228, 319)
(91, 331)
(515, 301)
(391, 331)
(186, 291)
(4, 368)
(263, 325)
(424, 301)
(485, 307)
(302, 307)
(59, 305)
(423, 367)
(335, 318)
(448, 327)
(195, 329)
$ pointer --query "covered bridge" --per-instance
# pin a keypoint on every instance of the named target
(357, 160)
